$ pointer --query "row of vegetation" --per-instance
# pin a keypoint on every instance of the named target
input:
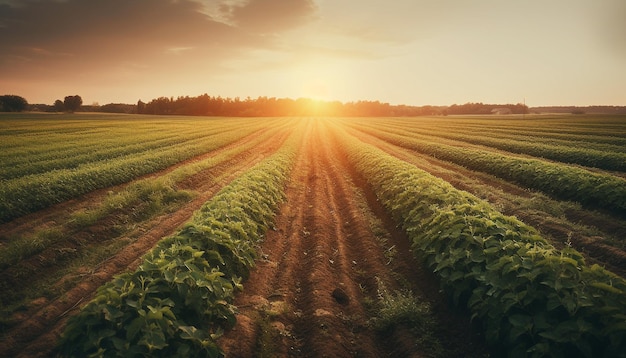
(25, 194)
(603, 156)
(77, 154)
(144, 198)
(532, 299)
(205, 105)
(71, 144)
(264, 106)
(179, 300)
(12, 103)
(565, 182)
(602, 136)
(593, 158)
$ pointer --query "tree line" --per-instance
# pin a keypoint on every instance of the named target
(205, 105)
(14, 103)
(481, 108)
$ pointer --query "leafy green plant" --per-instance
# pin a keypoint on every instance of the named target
(596, 155)
(392, 310)
(555, 179)
(532, 299)
(399, 307)
(179, 300)
(42, 180)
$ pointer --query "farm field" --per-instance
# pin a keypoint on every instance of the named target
(317, 236)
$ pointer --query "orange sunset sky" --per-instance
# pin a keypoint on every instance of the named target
(417, 52)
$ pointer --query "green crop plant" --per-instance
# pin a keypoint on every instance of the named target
(597, 155)
(179, 299)
(557, 180)
(40, 179)
(532, 299)
(398, 308)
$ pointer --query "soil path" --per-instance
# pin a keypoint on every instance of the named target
(41, 326)
(323, 262)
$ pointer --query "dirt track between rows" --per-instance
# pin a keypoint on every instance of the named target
(322, 263)
(44, 320)
(320, 267)
(468, 180)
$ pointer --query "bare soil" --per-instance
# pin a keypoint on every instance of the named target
(43, 320)
(308, 296)
(313, 291)
(560, 230)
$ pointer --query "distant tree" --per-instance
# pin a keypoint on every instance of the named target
(141, 107)
(12, 103)
(72, 103)
(59, 106)
(116, 108)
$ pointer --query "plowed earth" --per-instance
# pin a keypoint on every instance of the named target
(314, 289)
(311, 292)
(323, 262)
(43, 320)
(489, 188)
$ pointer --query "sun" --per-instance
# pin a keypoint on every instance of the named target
(317, 89)
(315, 79)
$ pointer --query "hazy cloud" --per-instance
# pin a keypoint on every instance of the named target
(119, 49)
(39, 38)
(267, 16)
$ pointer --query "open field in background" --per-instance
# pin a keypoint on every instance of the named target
(367, 218)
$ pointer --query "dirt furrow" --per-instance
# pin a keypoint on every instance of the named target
(483, 185)
(320, 266)
(59, 212)
(36, 335)
(302, 299)
(335, 317)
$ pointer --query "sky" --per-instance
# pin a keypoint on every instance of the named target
(415, 52)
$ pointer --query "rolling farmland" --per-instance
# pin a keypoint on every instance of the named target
(442, 236)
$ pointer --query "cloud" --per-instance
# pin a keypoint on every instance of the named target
(268, 16)
(47, 38)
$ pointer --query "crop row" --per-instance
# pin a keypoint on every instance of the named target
(37, 141)
(558, 180)
(61, 152)
(589, 142)
(179, 300)
(573, 153)
(528, 136)
(609, 127)
(150, 192)
(562, 132)
(39, 148)
(33, 137)
(81, 156)
(24, 195)
(532, 299)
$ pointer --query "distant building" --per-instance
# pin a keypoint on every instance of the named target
(502, 110)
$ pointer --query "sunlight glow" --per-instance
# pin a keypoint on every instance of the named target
(319, 79)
